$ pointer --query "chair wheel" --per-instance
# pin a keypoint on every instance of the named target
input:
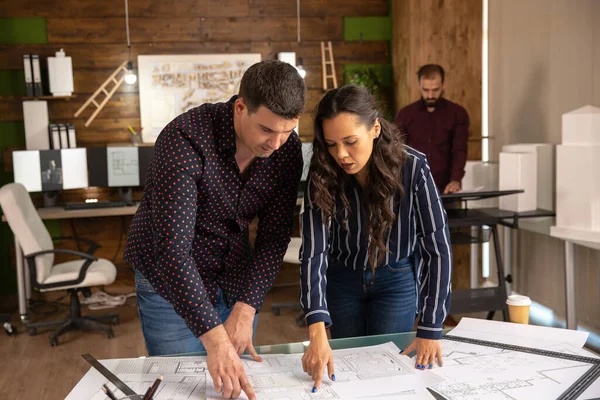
(10, 329)
(110, 334)
(32, 331)
(53, 342)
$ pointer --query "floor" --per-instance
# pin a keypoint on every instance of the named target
(31, 369)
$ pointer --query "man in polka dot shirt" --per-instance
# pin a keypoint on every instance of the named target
(215, 167)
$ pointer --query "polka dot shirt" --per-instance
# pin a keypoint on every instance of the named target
(190, 236)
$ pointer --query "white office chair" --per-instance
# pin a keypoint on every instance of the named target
(73, 276)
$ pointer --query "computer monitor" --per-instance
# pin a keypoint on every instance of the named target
(48, 171)
(122, 167)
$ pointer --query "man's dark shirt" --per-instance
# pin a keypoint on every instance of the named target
(190, 235)
(442, 135)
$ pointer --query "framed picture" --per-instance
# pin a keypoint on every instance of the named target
(172, 84)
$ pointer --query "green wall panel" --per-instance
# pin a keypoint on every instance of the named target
(12, 83)
(23, 31)
(371, 28)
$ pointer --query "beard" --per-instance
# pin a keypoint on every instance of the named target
(430, 102)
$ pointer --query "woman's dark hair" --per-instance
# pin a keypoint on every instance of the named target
(329, 181)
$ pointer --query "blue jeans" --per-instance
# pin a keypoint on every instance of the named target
(165, 332)
(359, 306)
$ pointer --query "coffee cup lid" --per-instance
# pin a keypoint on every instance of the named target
(518, 300)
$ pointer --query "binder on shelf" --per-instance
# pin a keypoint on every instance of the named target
(54, 136)
(64, 137)
(71, 134)
(35, 120)
(28, 75)
(37, 75)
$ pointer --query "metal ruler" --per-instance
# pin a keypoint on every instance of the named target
(109, 375)
(575, 390)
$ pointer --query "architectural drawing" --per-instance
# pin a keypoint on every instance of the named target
(473, 372)
(172, 84)
(183, 378)
(123, 166)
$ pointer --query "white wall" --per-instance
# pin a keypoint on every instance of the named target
(544, 60)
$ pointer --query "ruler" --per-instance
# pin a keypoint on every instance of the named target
(575, 390)
(109, 375)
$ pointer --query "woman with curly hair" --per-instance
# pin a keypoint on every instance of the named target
(375, 243)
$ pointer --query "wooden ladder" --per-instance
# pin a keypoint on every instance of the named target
(327, 50)
(102, 90)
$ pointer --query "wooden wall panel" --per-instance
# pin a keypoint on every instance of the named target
(316, 8)
(93, 34)
(448, 33)
(196, 8)
(109, 56)
(143, 30)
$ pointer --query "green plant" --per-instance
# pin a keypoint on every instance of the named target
(372, 79)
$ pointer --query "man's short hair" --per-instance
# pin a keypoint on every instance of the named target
(429, 71)
(276, 85)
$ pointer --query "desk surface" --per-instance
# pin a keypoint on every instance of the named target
(402, 340)
(61, 213)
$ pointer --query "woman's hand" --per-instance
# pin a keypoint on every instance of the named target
(318, 355)
(427, 351)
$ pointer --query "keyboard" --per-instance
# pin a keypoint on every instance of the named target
(99, 204)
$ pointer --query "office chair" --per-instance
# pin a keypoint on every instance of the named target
(74, 276)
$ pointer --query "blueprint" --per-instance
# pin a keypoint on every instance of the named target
(473, 372)
(361, 373)
(183, 378)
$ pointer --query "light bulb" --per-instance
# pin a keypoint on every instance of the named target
(130, 77)
(301, 71)
(300, 68)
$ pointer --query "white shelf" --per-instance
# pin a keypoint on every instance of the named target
(589, 239)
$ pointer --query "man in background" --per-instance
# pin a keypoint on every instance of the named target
(437, 127)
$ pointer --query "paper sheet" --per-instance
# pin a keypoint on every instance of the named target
(361, 373)
(537, 337)
(473, 372)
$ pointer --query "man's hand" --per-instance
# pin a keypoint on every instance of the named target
(224, 365)
(427, 351)
(239, 329)
(318, 355)
(452, 187)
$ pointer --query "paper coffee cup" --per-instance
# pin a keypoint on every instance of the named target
(518, 308)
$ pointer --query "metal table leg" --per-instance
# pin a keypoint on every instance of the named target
(21, 282)
(507, 251)
(500, 267)
(571, 303)
(474, 259)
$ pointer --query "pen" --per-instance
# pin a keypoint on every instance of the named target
(132, 131)
(152, 389)
(110, 394)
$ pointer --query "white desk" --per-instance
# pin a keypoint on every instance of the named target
(544, 226)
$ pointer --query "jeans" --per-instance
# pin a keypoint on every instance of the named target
(165, 332)
(359, 306)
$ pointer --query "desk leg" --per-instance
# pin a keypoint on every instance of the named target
(500, 267)
(475, 259)
(507, 251)
(570, 285)
(22, 292)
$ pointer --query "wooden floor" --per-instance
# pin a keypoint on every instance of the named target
(31, 369)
